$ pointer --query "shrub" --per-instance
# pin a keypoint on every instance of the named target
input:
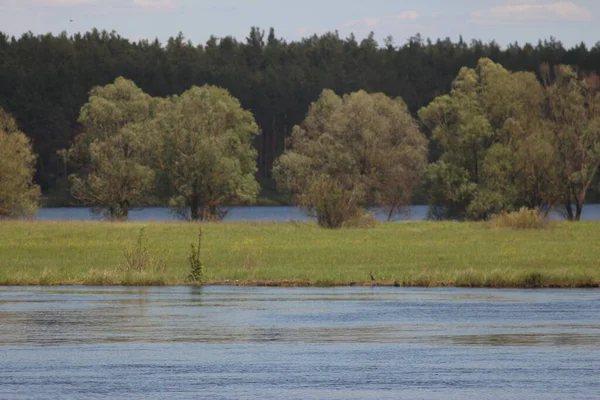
(525, 218)
(362, 219)
(331, 203)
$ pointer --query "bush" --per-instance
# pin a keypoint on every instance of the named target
(363, 219)
(525, 218)
(332, 205)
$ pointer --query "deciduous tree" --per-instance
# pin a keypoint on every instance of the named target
(114, 151)
(353, 152)
(496, 155)
(573, 110)
(18, 195)
(206, 152)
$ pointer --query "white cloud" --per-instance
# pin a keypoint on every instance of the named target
(375, 22)
(151, 4)
(408, 15)
(66, 2)
(303, 31)
(521, 11)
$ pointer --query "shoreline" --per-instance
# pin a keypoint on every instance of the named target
(291, 284)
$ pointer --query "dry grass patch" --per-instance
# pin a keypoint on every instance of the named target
(525, 218)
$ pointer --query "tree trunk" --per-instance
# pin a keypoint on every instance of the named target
(569, 210)
(194, 203)
(391, 213)
(120, 211)
(124, 210)
(578, 210)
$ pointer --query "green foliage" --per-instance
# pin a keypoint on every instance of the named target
(200, 143)
(524, 218)
(450, 191)
(114, 151)
(498, 154)
(18, 195)
(573, 110)
(206, 152)
(350, 153)
(327, 200)
(45, 79)
(195, 261)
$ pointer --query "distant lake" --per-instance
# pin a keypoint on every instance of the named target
(591, 212)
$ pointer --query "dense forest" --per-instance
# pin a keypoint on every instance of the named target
(46, 79)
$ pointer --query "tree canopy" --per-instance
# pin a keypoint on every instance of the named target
(508, 142)
(196, 150)
(206, 152)
(18, 194)
(352, 152)
(46, 79)
(113, 151)
(573, 111)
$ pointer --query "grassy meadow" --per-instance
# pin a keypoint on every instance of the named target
(405, 254)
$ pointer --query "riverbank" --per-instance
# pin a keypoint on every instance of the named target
(302, 254)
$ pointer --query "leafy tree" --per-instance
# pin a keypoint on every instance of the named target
(18, 194)
(206, 152)
(352, 152)
(573, 107)
(525, 168)
(489, 127)
(114, 149)
(46, 79)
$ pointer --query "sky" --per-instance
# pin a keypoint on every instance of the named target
(505, 21)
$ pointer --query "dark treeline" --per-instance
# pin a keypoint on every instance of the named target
(45, 80)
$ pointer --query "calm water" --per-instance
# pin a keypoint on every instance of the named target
(273, 214)
(253, 343)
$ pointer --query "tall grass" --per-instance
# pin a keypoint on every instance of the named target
(195, 261)
(139, 259)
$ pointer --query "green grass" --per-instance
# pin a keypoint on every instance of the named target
(406, 254)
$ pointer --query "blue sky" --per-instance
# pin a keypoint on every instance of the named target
(503, 20)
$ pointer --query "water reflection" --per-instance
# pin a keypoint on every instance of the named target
(298, 343)
(524, 339)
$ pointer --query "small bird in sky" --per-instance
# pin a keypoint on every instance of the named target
(70, 20)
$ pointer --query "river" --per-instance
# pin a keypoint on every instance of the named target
(298, 343)
(591, 212)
